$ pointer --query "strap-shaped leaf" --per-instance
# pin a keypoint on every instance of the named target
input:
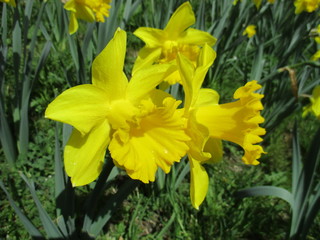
(50, 228)
(267, 191)
(32, 230)
(111, 205)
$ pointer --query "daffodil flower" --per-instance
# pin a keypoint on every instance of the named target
(140, 125)
(316, 56)
(250, 31)
(210, 122)
(314, 106)
(306, 5)
(162, 46)
(10, 2)
(87, 10)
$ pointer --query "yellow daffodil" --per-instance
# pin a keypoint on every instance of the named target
(10, 2)
(306, 5)
(250, 31)
(140, 125)
(316, 56)
(210, 122)
(314, 106)
(87, 10)
(162, 46)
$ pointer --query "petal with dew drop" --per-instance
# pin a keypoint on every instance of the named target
(84, 154)
(199, 183)
(83, 107)
(107, 68)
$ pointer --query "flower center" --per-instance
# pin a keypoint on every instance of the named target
(170, 50)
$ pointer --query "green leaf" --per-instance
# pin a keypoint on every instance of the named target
(267, 191)
(51, 229)
(32, 230)
(111, 205)
(258, 64)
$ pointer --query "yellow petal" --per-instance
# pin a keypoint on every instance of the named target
(73, 24)
(145, 80)
(181, 19)
(146, 57)
(316, 56)
(199, 135)
(192, 78)
(158, 141)
(207, 96)
(199, 183)
(314, 106)
(201, 147)
(107, 68)
(81, 11)
(83, 107)
(197, 37)
(152, 37)
(84, 154)
(214, 147)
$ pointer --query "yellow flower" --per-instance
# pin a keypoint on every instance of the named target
(314, 106)
(162, 46)
(140, 124)
(306, 5)
(10, 2)
(210, 122)
(250, 31)
(87, 10)
(316, 56)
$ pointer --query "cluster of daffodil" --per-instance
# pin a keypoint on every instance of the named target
(87, 10)
(145, 128)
